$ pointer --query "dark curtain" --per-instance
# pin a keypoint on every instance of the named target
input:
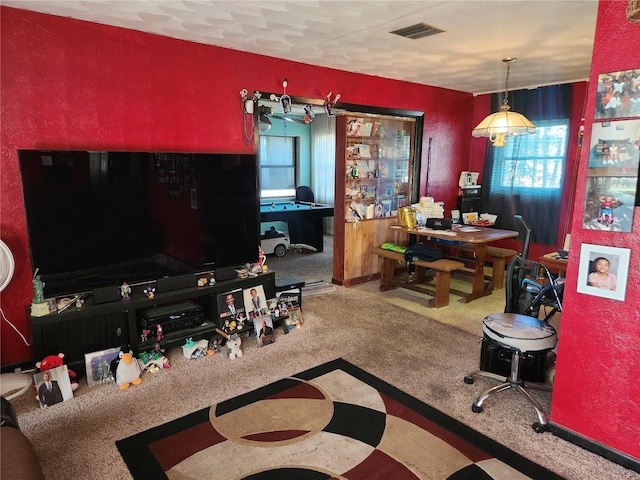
(538, 206)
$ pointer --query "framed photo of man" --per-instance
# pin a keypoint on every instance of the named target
(255, 301)
(264, 330)
(53, 386)
(230, 305)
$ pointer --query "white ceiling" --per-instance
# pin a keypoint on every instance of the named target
(552, 39)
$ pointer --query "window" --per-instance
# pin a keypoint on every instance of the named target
(532, 162)
(526, 177)
(278, 159)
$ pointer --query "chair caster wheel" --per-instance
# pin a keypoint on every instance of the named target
(475, 408)
(539, 428)
(468, 380)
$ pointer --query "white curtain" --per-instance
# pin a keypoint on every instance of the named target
(323, 163)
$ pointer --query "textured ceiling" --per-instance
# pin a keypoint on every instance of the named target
(552, 39)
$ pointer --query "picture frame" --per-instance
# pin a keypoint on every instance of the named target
(288, 300)
(618, 260)
(605, 207)
(614, 161)
(224, 311)
(295, 318)
(267, 337)
(98, 365)
(255, 301)
(61, 386)
(616, 96)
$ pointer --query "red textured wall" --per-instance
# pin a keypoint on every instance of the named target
(70, 84)
(596, 391)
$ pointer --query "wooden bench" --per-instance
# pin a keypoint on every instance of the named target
(498, 258)
(442, 268)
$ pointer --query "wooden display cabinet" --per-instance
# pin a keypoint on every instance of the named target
(374, 174)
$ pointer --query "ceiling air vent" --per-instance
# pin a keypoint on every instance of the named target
(418, 30)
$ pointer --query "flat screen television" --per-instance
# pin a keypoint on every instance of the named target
(102, 218)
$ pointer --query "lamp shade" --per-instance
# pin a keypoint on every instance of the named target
(500, 126)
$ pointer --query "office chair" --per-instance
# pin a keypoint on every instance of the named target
(519, 331)
(304, 194)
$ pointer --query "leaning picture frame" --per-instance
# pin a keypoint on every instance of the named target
(295, 318)
(53, 386)
(98, 365)
(616, 261)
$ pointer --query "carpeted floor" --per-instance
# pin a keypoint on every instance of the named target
(423, 357)
(332, 421)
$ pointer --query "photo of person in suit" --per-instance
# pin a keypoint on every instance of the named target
(49, 392)
(255, 301)
(264, 330)
(230, 305)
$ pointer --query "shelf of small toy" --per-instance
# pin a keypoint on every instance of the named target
(172, 339)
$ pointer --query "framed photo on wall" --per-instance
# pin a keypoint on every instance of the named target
(617, 94)
(612, 176)
(603, 271)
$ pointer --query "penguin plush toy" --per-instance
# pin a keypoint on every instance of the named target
(126, 369)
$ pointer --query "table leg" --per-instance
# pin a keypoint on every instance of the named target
(478, 289)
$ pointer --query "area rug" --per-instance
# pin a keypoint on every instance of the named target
(334, 421)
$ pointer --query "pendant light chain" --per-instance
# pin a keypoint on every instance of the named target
(506, 84)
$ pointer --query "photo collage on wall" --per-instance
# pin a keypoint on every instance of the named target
(612, 182)
(612, 178)
(614, 153)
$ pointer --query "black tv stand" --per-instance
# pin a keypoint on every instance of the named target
(92, 328)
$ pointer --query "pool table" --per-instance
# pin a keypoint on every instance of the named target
(304, 219)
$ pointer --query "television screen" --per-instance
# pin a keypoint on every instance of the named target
(98, 218)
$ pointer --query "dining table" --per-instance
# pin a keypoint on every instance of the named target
(471, 234)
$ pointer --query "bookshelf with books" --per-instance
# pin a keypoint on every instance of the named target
(374, 180)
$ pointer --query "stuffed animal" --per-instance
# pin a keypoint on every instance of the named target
(126, 369)
(233, 345)
(53, 361)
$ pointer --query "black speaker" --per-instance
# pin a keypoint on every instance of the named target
(225, 273)
(168, 284)
(439, 223)
(105, 295)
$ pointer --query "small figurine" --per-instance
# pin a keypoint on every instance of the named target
(144, 336)
(159, 333)
(226, 328)
(38, 288)
(157, 349)
(150, 292)
(212, 280)
(215, 345)
(262, 258)
(125, 291)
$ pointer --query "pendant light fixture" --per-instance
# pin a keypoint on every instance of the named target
(499, 127)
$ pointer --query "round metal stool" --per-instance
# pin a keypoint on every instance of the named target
(520, 334)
